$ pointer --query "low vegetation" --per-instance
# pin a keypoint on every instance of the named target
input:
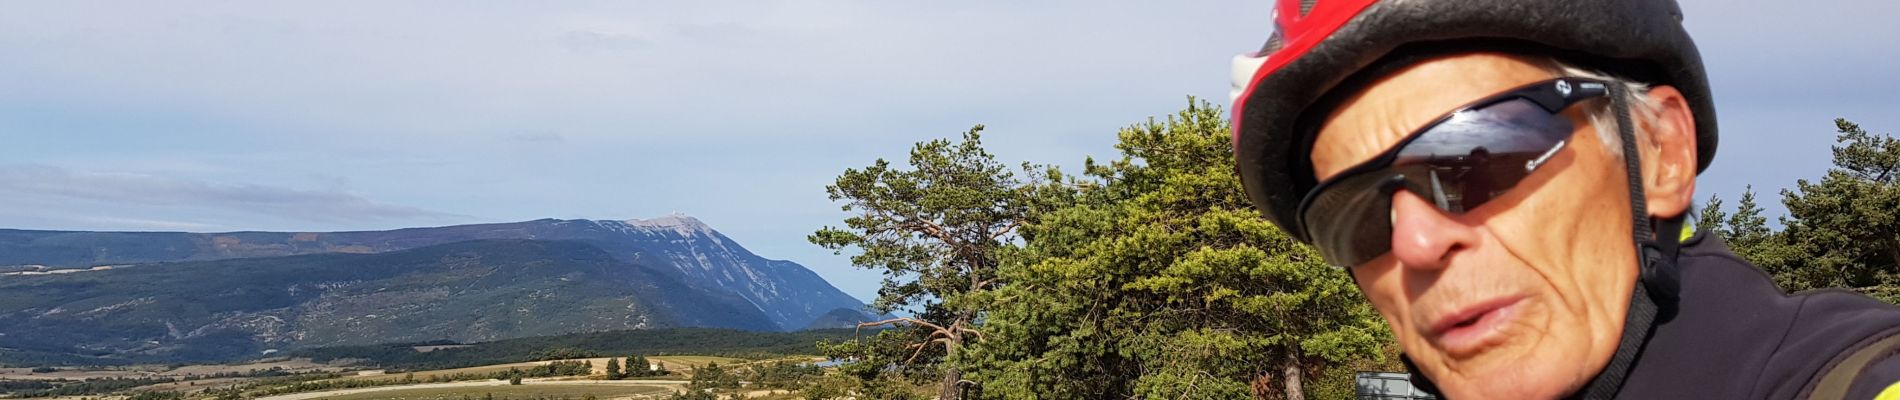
(673, 354)
(637, 367)
(716, 382)
(68, 388)
(740, 344)
(513, 375)
(529, 392)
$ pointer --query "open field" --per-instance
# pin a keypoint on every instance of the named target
(193, 386)
(773, 395)
(672, 363)
(156, 371)
(292, 365)
(500, 389)
(682, 363)
(425, 375)
(506, 392)
(23, 374)
(390, 387)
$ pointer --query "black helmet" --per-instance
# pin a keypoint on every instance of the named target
(1321, 46)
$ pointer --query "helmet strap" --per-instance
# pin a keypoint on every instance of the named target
(1654, 295)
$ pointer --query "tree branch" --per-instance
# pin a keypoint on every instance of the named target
(1006, 229)
(979, 334)
(894, 321)
(921, 346)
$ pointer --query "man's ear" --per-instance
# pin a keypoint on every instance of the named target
(1669, 157)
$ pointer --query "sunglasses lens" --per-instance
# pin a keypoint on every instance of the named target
(1457, 165)
(1352, 223)
(1473, 156)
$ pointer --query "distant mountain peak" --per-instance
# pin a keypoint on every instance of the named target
(679, 222)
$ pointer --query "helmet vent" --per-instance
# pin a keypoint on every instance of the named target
(1306, 6)
(1274, 43)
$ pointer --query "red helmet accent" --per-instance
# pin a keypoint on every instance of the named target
(1299, 31)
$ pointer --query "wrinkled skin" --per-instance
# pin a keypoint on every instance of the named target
(1548, 266)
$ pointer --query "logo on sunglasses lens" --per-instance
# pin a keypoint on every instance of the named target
(1563, 88)
(1541, 159)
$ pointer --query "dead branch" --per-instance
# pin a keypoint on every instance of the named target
(979, 334)
(894, 321)
(921, 346)
(1006, 229)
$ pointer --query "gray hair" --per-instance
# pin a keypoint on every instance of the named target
(1643, 109)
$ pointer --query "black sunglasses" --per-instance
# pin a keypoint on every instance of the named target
(1458, 162)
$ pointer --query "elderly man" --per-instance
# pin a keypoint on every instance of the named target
(1507, 182)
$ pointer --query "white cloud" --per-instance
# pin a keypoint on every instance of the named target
(19, 183)
(146, 224)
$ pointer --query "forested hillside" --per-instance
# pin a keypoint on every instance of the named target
(468, 291)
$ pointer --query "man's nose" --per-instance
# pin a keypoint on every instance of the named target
(1424, 236)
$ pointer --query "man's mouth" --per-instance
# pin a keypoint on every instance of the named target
(1474, 327)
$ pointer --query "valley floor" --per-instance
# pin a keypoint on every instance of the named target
(530, 388)
(471, 383)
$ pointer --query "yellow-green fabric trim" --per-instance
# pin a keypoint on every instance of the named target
(1839, 377)
(1892, 392)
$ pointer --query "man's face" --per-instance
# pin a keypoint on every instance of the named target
(1522, 297)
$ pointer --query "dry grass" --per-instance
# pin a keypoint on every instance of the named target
(510, 392)
(425, 375)
(80, 374)
(682, 363)
(152, 371)
(292, 365)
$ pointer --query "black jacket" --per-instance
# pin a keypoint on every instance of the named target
(1729, 333)
(1732, 334)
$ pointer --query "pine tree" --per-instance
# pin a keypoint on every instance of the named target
(938, 232)
(1162, 281)
(1712, 219)
(1747, 227)
(1844, 231)
(637, 365)
(613, 369)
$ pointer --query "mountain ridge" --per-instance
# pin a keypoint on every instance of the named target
(478, 290)
(790, 294)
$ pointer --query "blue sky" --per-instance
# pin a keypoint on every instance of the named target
(219, 116)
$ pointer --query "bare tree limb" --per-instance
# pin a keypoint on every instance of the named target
(979, 334)
(894, 321)
(1006, 229)
(921, 346)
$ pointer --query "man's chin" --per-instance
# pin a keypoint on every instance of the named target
(1497, 375)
